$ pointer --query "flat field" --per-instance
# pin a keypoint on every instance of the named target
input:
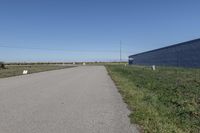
(14, 70)
(166, 100)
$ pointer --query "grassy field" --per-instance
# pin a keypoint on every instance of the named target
(163, 101)
(14, 70)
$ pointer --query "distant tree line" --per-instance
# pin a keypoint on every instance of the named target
(36, 63)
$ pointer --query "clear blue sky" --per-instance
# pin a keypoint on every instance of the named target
(90, 30)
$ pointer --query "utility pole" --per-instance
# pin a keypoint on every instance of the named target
(120, 51)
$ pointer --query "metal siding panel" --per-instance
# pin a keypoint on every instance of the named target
(185, 54)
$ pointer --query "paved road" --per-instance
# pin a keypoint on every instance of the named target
(74, 100)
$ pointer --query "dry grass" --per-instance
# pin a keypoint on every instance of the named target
(14, 70)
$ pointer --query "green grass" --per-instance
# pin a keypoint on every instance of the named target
(14, 70)
(163, 101)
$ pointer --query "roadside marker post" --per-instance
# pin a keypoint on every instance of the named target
(153, 67)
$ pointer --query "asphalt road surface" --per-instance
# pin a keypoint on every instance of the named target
(73, 100)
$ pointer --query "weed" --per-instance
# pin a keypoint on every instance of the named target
(163, 101)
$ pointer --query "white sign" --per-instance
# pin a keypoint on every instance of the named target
(154, 67)
(25, 72)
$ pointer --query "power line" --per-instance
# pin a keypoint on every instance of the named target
(120, 51)
(70, 51)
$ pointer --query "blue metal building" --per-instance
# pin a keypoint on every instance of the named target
(186, 54)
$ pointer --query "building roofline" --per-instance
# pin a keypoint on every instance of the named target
(170, 46)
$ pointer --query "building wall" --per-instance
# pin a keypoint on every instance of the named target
(185, 54)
